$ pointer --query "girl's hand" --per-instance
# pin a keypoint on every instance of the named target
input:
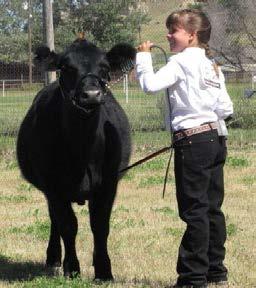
(145, 46)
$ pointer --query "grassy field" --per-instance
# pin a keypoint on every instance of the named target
(145, 229)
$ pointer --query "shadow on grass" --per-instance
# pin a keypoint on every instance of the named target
(11, 270)
(144, 282)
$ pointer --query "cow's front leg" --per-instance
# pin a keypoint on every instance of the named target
(66, 221)
(54, 247)
(100, 209)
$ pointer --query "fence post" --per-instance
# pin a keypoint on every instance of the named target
(3, 88)
(30, 41)
(21, 79)
(48, 33)
(126, 88)
(253, 79)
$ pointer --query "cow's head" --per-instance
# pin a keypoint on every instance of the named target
(84, 70)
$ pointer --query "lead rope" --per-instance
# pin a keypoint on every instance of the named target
(167, 170)
(146, 158)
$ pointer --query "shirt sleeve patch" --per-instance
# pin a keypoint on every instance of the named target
(208, 77)
(211, 83)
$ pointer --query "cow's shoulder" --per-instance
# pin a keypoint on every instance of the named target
(46, 106)
(114, 113)
(48, 97)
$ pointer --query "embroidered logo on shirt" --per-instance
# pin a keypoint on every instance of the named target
(211, 83)
(208, 75)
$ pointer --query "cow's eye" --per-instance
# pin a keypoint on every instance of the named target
(67, 68)
(104, 73)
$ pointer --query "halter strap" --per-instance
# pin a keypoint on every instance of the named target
(103, 84)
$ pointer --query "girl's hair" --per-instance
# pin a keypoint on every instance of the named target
(194, 20)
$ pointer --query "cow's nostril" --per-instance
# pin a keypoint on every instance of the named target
(92, 94)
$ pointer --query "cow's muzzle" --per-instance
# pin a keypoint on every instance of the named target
(91, 98)
(91, 91)
(87, 97)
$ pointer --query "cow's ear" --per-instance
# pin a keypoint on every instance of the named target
(121, 57)
(46, 58)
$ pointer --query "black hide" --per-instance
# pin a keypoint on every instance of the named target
(71, 145)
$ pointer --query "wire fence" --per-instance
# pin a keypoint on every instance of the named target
(233, 41)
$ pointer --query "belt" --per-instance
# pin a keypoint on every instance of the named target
(195, 130)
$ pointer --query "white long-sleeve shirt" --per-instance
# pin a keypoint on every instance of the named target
(197, 95)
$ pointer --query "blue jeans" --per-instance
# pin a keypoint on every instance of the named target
(199, 161)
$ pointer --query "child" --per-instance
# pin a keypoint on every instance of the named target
(199, 102)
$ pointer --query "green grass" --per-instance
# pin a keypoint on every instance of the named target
(121, 209)
(40, 230)
(128, 176)
(231, 229)
(154, 165)
(165, 210)
(13, 198)
(237, 162)
(25, 187)
(249, 180)
(153, 180)
(175, 232)
(43, 282)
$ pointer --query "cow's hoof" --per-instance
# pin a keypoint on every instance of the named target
(72, 275)
(54, 271)
(53, 264)
(71, 270)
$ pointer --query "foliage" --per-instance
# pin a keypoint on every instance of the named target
(14, 19)
(105, 22)
(233, 24)
(195, 6)
(109, 21)
(233, 37)
(226, 3)
(13, 45)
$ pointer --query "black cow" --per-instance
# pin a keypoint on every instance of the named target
(72, 144)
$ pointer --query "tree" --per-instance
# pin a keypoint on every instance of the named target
(234, 30)
(14, 17)
(105, 22)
